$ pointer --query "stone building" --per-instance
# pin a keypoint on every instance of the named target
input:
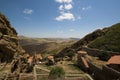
(114, 62)
(38, 58)
(50, 60)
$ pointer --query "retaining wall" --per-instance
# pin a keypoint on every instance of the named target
(110, 74)
(96, 52)
(95, 72)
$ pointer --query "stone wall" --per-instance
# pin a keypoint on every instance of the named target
(95, 72)
(91, 52)
(103, 73)
(110, 74)
(96, 52)
(81, 64)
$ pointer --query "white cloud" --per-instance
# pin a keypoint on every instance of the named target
(27, 11)
(72, 30)
(86, 8)
(64, 1)
(64, 10)
(65, 16)
(68, 6)
(61, 7)
(65, 7)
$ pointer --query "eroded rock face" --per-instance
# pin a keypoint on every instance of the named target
(9, 45)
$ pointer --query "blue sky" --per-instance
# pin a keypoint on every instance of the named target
(60, 18)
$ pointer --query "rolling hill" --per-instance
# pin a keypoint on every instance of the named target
(110, 41)
(45, 45)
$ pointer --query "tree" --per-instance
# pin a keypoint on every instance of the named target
(57, 73)
(71, 54)
(104, 56)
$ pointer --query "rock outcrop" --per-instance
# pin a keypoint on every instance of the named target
(10, 52)
(9, 45)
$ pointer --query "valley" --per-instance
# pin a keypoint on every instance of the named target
(45, 46)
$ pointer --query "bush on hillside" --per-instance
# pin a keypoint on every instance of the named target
(104, 56)
(71, 54)
(56, 72)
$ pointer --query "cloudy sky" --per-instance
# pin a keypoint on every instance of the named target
(60, 18)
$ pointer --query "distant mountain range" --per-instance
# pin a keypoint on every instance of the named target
(45, 45)
(27, 40)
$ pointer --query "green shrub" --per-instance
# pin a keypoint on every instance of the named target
(71, 54)
(104, 56)
(56, 72)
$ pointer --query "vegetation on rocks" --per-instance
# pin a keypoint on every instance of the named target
(104, 56)
(110, 41)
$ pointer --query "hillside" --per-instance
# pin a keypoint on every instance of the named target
(45, 45)
(103, 39)
(109, 41)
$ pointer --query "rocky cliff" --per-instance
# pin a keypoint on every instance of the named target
(9, 45)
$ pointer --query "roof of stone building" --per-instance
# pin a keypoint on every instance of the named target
(81, 52)
(50, 57)
(114, 60)
(85, 62)
(38, 56)
(26, 55)
(30, 59)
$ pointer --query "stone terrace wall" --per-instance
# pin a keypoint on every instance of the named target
(92, 52)
(104, 73)
(96, 52)
(81, 64)
(110, 73)
(95, 72)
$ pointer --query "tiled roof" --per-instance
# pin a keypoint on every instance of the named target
(85, 62)
(50, 57)
(114, 60)
(26, 55)
(81, 52)
(38, 56)
(30, 59)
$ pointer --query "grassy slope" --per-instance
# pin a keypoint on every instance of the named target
(110, 41)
